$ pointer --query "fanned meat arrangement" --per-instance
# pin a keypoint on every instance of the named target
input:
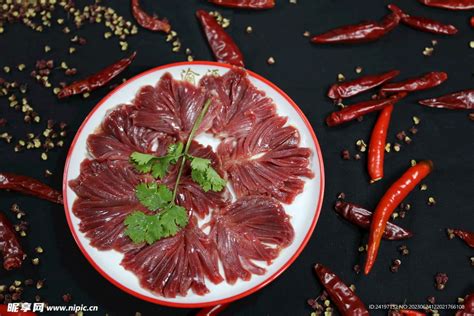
(259, 156)
(251, 228)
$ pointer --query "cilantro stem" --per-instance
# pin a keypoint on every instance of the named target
(193, 132)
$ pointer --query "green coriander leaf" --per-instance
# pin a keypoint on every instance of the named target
(217, 183)
(200, 164)
(140, 159)
(153, 196)
(203, 174)
(173, 219)
(136, 224)
(150, 228)
(142, 162)
(174, 152)
(160, 168)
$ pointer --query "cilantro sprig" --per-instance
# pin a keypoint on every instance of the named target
(158, 166)
(171, 218)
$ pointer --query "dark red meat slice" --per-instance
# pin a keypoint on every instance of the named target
(105, 196)
(267, 161)
(241, 103)
(172, 107)
(190, 195)
(118, 137)
(172, 266)
(252, 228)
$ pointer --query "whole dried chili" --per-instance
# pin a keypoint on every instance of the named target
(462, 100)
(376, 153)
(12, 252)
(472, 21)
(245, 4)
(352, 112)
(97, 80)
(359, 33)
(362, 218)
(341, 295)
(348, 89)
(4, 311)
(450, 4)
(28, 185)
(422, 23)
(212, 311)
(147, 21)
(410, 312)
(468, 237)
(222, 45)
(468, 309)
(427, 81)
(387, 204)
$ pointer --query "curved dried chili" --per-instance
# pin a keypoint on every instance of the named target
(376, 152)
(468, 309)
(450, 4)
(212, 311)
(462, 100)
(147, 21)
(341, 295)
(28, 185)
(10, 248)
(351, 88)
(245, 4)
(359, 33)
(222, 45)
(97, 80)
(362, 218)
(387, 204)
(467, 237)
(409, 312)
(352, 112)
(427, 81)
(422, 23)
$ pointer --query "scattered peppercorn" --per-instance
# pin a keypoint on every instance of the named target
(440, 280)
(395, 265)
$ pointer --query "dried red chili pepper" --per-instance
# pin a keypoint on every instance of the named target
(224, 48)
(468, 309)
(97, 80)
(387, 204)
(212, 311)
(427, 81)
(423, 24)
(12, 252)
(450, 4)
(352, 112)
(245, 4)
(341, 295)
(376, 153)
(468, 237)
(410, 312)
(147, 21)
(462, 100)
(4, 312)
(472, 21)
(362, 218)
(348, 89)
(28, 185)
(358, 33)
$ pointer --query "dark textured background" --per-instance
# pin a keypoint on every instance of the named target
(304, 71)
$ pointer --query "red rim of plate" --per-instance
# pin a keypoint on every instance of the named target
(216, 302)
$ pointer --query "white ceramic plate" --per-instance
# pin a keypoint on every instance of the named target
(304, 211)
